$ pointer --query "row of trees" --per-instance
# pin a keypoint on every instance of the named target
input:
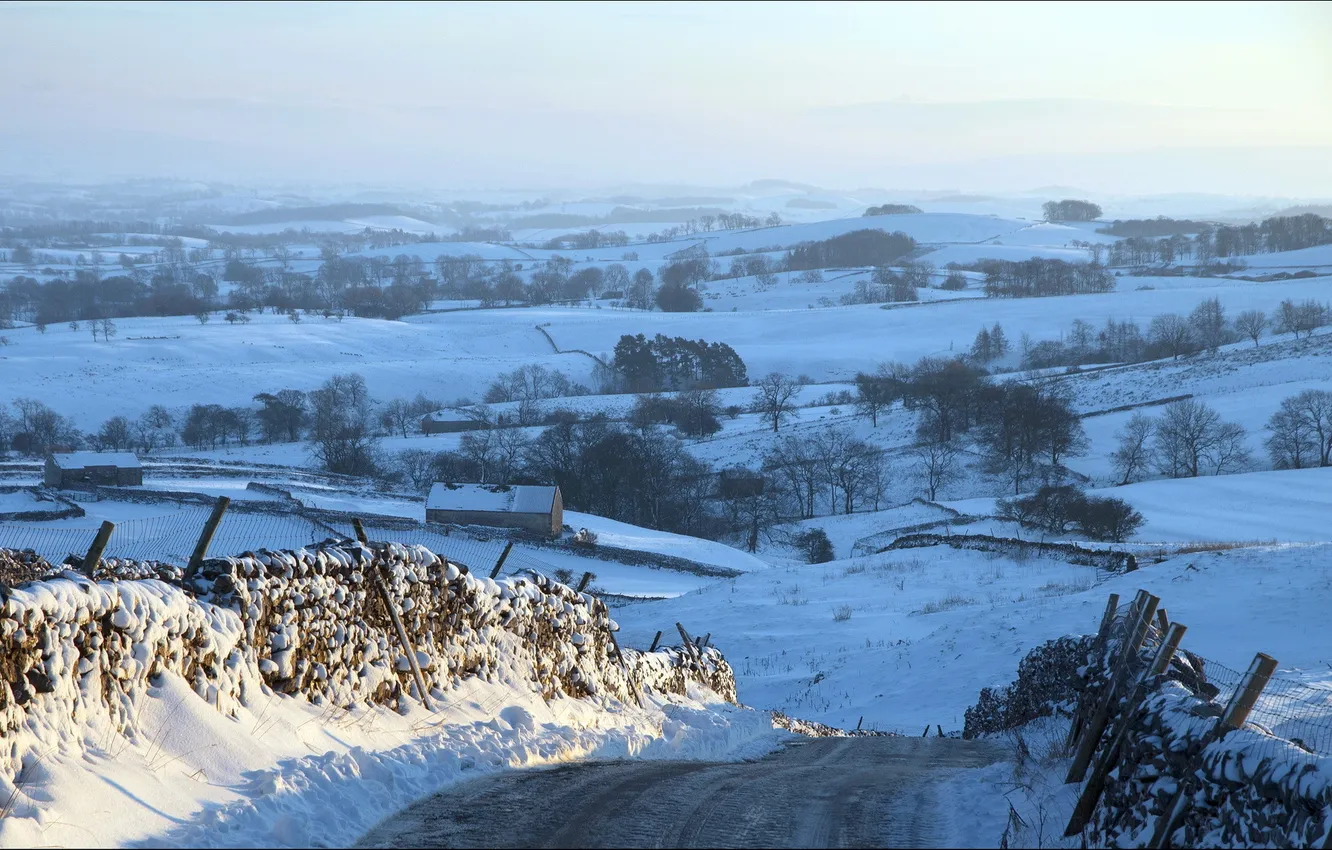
(1038, 277)
(1188, 439)
(1206, 328)
(1168, 241)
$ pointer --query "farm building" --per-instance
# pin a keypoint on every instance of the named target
(70, 469)
(535, 509)
(451, 420)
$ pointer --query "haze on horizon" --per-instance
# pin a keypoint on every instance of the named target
(1131, 97)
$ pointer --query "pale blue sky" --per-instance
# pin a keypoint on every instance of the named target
(972, 96)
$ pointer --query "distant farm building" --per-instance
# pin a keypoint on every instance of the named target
(738, 483)
(536, 509)
(71, 469)
(451, 420)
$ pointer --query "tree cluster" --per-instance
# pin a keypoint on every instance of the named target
(892, 209)
(1038, 277)
(1060, 508)
(676, 363)
(1188, 439)
(857, 249)
(1071, 210)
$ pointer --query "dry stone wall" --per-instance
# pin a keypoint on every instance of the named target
(1244, 788)
(309, 622)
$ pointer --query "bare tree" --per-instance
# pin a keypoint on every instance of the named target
(1251, 323)
(1302, 430)
(398, 417)
(1172, 333)
(935, 466)
(876, 393)
(417, 467)
(775, 399)
(1207, 323)
(1133, 456)
(1191, 438)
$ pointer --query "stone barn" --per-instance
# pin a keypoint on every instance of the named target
(530, 508)
(451, 420)
(70, 469)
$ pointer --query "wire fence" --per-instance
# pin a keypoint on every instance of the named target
(171, 538)
(1287, 710)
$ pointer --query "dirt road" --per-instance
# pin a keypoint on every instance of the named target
(820, 792)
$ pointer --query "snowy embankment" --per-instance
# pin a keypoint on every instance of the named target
(908, 638)
(253, 707)
(1291, 505)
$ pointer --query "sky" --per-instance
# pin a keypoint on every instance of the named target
(1134, 97)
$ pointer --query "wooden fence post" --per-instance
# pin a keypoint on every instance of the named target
(499, 565)
(1091, 794)
(1168, 647)
(655, 641)
(377, 577)
(582, 582)
(1091, 738)
(1084, 699)
(98, 547)
(206, 537)
(1162, 619)
(688, 642)
(1237, 711)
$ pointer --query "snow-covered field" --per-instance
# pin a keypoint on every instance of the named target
(925, 629)
(901, 639)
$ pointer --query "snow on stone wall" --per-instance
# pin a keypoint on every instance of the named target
(308, 622)
(1248, 788)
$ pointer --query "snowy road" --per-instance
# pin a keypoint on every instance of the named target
(822, 792)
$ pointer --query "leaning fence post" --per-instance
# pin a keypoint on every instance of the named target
(655, 641)
(206, 537)
(1084, 699)
(499, 565)
(98, 547)
(689, 647)
(1091, 794)
(1237, 711)
(1091, 738)
(376, 573)
(582, 582)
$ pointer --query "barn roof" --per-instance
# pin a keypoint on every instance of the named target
(83, 460)
(493, 498)
(452, 414)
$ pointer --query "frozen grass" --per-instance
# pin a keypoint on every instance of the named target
(948, 603)
(842, 614)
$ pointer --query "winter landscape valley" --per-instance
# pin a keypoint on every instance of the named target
(438, 487)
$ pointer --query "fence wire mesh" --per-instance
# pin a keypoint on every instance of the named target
(1288, 711)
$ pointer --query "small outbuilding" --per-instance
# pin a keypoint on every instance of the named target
(451, 420)
(537, 509)
(70, 469)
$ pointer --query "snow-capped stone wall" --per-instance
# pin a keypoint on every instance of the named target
(308, 622)
(1246, 788)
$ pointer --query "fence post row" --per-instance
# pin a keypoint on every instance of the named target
(378, 578)
(1141, 615)
(1091, 793)
(1128, 651)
